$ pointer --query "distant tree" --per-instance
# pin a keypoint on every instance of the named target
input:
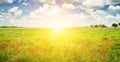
(103, 26)
(91, 26)
(96, 26)
(114, 25)
(10, 27)
(119, 24)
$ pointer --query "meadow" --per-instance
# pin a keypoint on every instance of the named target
(65, 45)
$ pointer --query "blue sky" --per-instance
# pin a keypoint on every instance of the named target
(65, 13)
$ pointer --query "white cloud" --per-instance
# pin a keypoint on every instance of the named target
(115, 1)
(5, 17)
(112, 19)
(71, 1)
(51, 15)
(2, 2)
(93, 3)
(47, 1)
(16, 11)
(100, 12)
(48, 10)
(68, 6)
(114, 8)
(10, 1)
(19, 13)
(1, 18)
(98, 2)
(20, 1)
(68, 1)
(44, 17)
(54, 1)
(25, 4)
(107, 1)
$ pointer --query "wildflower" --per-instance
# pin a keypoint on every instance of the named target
(18, 51)
(3, 48)
(104, 56)
(4, 58)
(17, 61)
(9, 57)
(12, 46)
(0, 41)
(8, 40)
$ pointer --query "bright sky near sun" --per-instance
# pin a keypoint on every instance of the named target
(59, 13)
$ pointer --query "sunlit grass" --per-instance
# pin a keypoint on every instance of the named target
(64, 45)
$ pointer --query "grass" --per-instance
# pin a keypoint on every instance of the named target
(67, 45)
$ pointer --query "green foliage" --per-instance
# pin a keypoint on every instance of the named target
(10, 27)
(99, 26)
(119, 24)
(114, 25)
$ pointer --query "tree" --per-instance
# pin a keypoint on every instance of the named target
(91, 26)
(103, 26)
(119, 24)
(114, 25)
(96, 26)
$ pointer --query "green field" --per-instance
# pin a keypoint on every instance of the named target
(66, 45)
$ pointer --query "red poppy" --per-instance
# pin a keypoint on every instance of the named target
(18, 51)
(9, 57)
(17, 61)
(0, 41)
(8, 40)
(4, 58)
(104, 56)
(12, 46)
(3, 47)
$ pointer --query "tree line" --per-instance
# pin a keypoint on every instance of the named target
(104, 26)
(10, 27)
(98, 26)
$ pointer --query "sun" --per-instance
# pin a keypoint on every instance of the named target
(58, 28)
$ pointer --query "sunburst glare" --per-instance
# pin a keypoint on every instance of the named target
(58, 27)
